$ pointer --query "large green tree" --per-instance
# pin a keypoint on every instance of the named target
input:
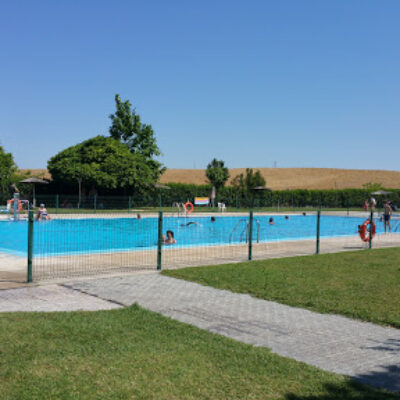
(8, 169)
(248, 181)
(101, 162)
(140, 139)
(217, 173)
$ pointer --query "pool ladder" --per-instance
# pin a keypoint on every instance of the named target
(245, 231)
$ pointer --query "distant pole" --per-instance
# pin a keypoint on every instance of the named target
(251, 235)
(30, 245)
(371, 221)
(15, 206)
(318, 230)
(159, 241)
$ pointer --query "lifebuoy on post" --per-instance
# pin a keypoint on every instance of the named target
(364, 231)
(188, 207)
(11, 207)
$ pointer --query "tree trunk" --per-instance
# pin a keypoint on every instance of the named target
(80, 192)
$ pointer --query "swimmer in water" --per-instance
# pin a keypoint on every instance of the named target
(169, 239)
(286, 216)
(271, 221)
(190, 223)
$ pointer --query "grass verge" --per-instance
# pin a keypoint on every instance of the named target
(136, 354)
(362, 284)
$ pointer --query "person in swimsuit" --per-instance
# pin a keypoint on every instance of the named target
(169, 239)
(373, 203)
(387, 213)
(190, 223)
(42, 213)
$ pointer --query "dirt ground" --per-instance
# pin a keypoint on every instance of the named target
(288, 178)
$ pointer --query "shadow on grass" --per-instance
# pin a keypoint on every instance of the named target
(388, 378)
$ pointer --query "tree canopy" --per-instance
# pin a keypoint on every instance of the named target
(138, 137)
(217, 173)
(102, 162)
(248, 181)
(8, 169)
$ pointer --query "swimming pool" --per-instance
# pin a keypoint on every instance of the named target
(97, 235)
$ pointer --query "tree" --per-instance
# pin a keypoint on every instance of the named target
(101, 162)
(372, 186)
(217, 173)
(8, 169)
(138, 137)
(248, 182)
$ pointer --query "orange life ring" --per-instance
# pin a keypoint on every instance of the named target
(10, 202)
(364, 231)
(190, 205)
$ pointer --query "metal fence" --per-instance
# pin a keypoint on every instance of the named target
(71, 245)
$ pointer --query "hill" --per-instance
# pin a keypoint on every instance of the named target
(289, 178)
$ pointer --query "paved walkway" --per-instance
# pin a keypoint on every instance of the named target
(50, 298)
(365, 351)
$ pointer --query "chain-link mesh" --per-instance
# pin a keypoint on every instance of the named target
(76, 244)
(79, 244)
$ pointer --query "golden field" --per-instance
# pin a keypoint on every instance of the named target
(289, 178)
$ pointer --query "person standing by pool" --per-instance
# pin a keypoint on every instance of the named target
(373, 203)
(365, 205)
(387, 213)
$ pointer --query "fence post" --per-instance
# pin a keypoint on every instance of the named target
(318, 230)
(371, 221)
(129, 203)
(251, 235)
(159, 241)
(57, 203)
(30, 245)
(95, 203)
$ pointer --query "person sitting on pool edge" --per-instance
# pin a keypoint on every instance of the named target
(169, 239)
(42, 213)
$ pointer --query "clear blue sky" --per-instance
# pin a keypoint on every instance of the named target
(303, 83)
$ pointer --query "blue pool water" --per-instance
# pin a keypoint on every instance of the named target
(80, 236)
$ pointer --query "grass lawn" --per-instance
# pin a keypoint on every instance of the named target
(363, 284)
(136, 354)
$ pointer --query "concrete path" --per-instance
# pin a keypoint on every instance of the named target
(367, 352)
(50, 298)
